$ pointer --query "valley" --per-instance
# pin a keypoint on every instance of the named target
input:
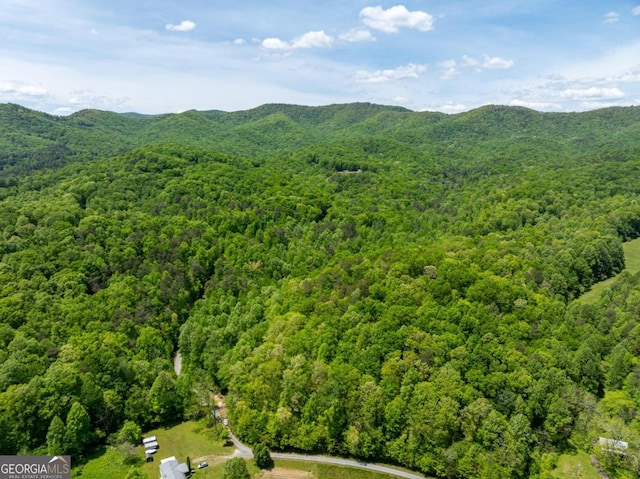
(358, 280)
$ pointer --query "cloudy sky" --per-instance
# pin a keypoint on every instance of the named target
(155, 56)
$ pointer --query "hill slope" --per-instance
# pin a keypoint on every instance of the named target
(361, 280)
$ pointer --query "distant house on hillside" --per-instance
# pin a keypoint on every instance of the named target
(171, 469)
(613, 445)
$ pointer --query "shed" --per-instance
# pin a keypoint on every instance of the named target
(613, 444)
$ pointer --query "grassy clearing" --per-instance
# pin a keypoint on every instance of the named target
(105, 463)
(195, 440)
(192, 439)
(327, 471)
(632, 262)
(576, 466)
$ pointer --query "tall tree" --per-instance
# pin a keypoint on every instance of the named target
(262, 456)
(78, 431)
(56, 437)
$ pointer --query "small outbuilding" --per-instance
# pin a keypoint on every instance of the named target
(613, 445)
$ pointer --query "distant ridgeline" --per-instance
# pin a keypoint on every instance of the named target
(359, 279)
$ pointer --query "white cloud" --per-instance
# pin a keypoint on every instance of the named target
(592, 93)
(239, 41)
(469, 61)
(22, 90)
(636, 11)
(536, 105)
(391, 20)
(87, 98)
(411, 70)
(308, 40)
(63, 110)
(496, 62)
(632, 75)
(489, 63)
(451, 108)
(313, 39)
(449, 69)
(358, 35)
(611, 17)
(183, 26)
(592, 105)
(275, 44)
(32, 90)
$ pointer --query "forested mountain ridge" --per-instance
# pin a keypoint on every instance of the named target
(271, 128)
(361, 280)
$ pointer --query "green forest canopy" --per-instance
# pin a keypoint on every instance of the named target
(361, 280)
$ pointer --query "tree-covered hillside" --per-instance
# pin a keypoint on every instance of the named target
(360, 280)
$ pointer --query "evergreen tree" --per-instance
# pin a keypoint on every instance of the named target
(262, 456)
(78, 431)
(56, 437)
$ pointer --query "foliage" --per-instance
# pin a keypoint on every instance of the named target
(56, 437)
(136, 474)
(130, 432)
(262, 456)
(78, 430)
(338, 271)
(236, 468)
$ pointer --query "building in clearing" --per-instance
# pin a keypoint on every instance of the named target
(171, 469)
(613, 445)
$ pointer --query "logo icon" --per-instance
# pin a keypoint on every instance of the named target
(35, 467)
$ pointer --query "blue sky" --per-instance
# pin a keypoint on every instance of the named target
(156, 56)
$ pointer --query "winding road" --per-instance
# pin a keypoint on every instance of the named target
(349, 463)
(242, 450)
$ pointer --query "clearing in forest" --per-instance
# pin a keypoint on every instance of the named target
(632, 262)
(282, 473)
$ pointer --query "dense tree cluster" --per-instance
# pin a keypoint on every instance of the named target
(360, 280)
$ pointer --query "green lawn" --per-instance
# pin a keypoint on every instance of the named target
(575, 466)
(632, 262)
(195, 440)
(104, 464)
(329, 471)
(190, 438)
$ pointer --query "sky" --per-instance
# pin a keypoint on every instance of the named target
(164, 56)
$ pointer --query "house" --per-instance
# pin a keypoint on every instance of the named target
(171, 469)
(613, 445)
